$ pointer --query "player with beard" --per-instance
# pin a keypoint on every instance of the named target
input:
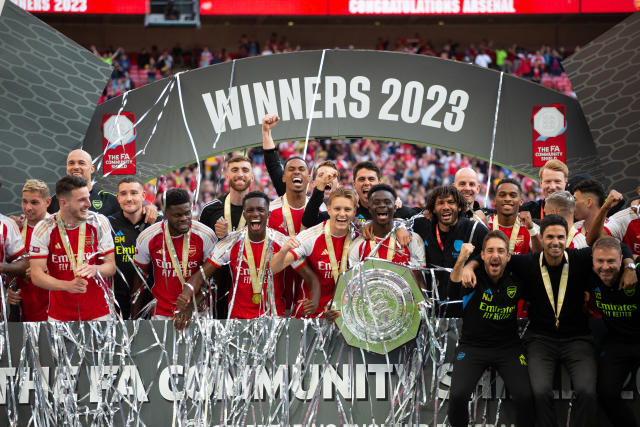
(562, 203)
(489, 336)
(324, 247)
(176, 247)
(554, 176)
(365, 176)
(126, 226)
(624, 225)
(224, 215)
(33, 299)
(79, 164)
(71, 255)
(256, 291)
(589, 196)
(555, 281)
(444, 234)
(517, 226)
(382, 208)
(466, 181)
(620, 352)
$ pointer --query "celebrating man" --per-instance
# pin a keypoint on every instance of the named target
(518, 227)
(34, 299)
(177, 247)
(562, 203)
(620, 352)
(72, 254)
(255, 289)
(224, 215)
(325, 247)
(489, 331)
(554, 176)
(382, 208)
(466, 181)
(126, 226)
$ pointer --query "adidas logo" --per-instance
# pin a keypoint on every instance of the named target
(57, 246)
(119, 233)
(325, 252)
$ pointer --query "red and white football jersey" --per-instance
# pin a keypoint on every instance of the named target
(313, 251)
(151, 248)
(625, 226)
(46, 243)
(227, 251)
(410, 255)
(578, 241)
(11, 245)
(523, 240)
(35, 300)
(277, 219)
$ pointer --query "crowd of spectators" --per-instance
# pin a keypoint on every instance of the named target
(542, 65)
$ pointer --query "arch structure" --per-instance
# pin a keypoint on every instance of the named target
(335, 93)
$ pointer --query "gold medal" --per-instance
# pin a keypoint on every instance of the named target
(257, 277)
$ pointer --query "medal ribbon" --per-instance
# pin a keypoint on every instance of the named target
(256, 281)
(332, 252)
(227, 215)
(514, 232)
(438, 238)
(180, 272)
(24, 233)
(74, 263)
(286, 212)
(572, 233)
(562, 290)
(391, 250)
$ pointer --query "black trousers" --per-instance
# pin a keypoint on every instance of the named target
(511, 365)
(617, 360)
(576, 354)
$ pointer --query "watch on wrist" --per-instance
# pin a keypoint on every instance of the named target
(630, 265)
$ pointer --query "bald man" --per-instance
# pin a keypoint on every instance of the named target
(79, 164)
(466, 181)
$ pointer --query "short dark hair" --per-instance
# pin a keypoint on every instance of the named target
(592, 187)
(607, 242)
(130, 180)
(445, 191)
(495, 234)
(366, 165)
(255, 195)
(67, 184)
(236, 159)
(509, 181)
(553, 219)
(176, 196)
(327, 163)
(383, 187)
(294, 158)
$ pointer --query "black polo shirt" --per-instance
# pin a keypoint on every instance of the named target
(214, 210)
(490, 310)
(619, 308)
(102, 202)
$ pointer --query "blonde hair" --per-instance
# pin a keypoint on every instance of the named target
(554, 165)
(37, 186)
(347, 193)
